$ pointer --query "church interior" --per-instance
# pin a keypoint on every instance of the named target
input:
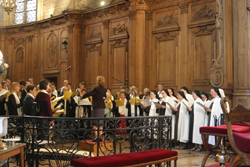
(135, 45)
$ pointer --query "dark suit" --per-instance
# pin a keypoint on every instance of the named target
(2, 108)
(23, 94)
(12, 106)
(27, 104)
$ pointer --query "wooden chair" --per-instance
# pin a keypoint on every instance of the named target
(239, 141)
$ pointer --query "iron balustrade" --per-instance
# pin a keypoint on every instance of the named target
(57, 140)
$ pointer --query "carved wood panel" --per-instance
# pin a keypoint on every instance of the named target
(166, 58)
(118, 60)
(203, 50)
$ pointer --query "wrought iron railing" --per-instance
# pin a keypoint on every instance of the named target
(55, 141)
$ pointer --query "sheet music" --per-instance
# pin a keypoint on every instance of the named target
(146, 102)
(170, 105)
(202, 105)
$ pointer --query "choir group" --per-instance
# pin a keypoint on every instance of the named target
(188, 111)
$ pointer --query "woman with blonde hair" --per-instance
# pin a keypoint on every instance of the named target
(13, 101)
(99, 95)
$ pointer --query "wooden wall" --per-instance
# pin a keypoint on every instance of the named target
(174, 42)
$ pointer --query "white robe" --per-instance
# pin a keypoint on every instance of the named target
(168, 112)
(199, 115)
(207, 103)
(152, 111)
(215, 112)
(79, 113)
(190, 100)
(183, 122)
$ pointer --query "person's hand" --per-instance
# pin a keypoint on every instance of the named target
(163, 106)
(117, 105)
(174, 109)
(208, 110)
(69, 100)
(130, 101)
(189, 109)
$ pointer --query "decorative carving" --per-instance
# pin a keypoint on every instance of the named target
(51, 50)
(166, 35)
(167, 20)
(74, 17)
(105, 24)
(46, 25)
(203, 13)
(19, 55)
(149, 15)
(105, 12)
(119, 29)
(184, 7)
(217, 75)
(70, 28)
(94, 34)
(38, 64)
(203, 29)
(30, 38)
(152, 2)
(118, 42)
(20, 41)
(59, 22)
(132, 14)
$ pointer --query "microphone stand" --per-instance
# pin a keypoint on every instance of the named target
(119, 81)
(76, 89)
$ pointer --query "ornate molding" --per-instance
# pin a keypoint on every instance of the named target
(105, 24)
(184, 7)
(132, 14)
(204, 13)
(30, 38)
(149, 15)
(70, 28)
(217, 75)
(19, 55)
(51, 50)
(107, 11)
(94, 34)
(154, 2)
(119, 29)
(20, 41)
(167, 20)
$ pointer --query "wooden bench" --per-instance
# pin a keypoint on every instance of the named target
(142, 158)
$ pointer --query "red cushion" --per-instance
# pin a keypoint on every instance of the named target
(222, 129)
(124, 159)
(242, 141)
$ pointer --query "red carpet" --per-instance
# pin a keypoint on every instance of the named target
(218, 165)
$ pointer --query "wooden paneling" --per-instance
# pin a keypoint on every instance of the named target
(178, 43)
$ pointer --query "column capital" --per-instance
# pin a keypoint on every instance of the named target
(138, 5)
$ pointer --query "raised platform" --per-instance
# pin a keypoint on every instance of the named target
(89, 145)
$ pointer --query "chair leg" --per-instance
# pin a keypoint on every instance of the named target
(238, 162)
(175, 163)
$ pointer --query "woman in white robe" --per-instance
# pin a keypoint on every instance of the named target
(205, 99)
(171, 94)
(199, 115)
(183, 122)
(189, 97)
(153, 100)
(215, 111)
(168, 112)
